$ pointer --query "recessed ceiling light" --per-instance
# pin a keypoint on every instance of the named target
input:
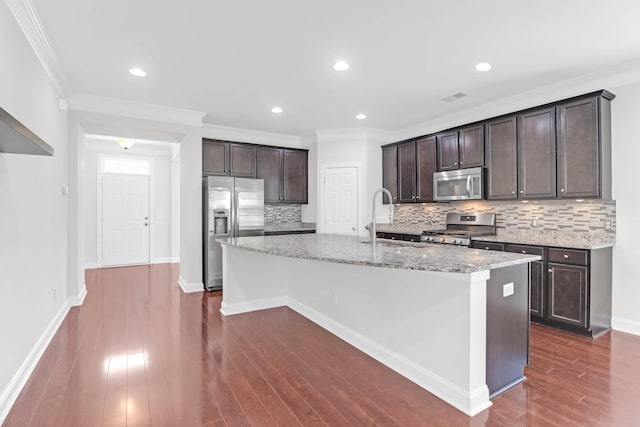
(276, 110)
(483, 66)
(341, 66)
(361, 116)
(138, 72)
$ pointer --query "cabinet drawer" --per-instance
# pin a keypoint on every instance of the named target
(523, 249)
(490, 246)
(568, 256)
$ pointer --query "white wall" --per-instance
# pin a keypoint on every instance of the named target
(626, 149)
(159, 157)
(33, 211)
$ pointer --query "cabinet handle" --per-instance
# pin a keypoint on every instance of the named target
(486, 247)
(521, 191)
(455, 163)
(524, 252)
(513, 192)
(550, 270)
(562, 190)
(566, 256)
(461, 162)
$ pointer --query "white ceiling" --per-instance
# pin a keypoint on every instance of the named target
(236, 59)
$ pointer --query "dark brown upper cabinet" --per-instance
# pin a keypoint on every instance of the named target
(447, 149)
(461, 148)
(502, 158)
(425, 167)
(537, 154)
(471, 146)
(295, 176)
(407, 172)
(215, 157)
(228, 159)
(390, 172)
(285, 174)
(584, 147)
(269, 169)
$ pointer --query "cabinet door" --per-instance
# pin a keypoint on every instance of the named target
(390, 172)
(578, 149)
(269, 168)
(501, 158)
(471, 146)
(426, 166)
(567, 294)
(242, 160)
(215, 157)
(537, 154)
(407, 172)
(447, 145)
(295, 182)
(536, 284)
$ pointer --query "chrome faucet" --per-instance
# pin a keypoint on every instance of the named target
(372, 225)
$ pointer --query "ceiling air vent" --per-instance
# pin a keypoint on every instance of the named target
(455, 97)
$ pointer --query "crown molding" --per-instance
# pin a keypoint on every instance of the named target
(136, 110)
(608, 78)
(25, 14)
(353, 134)
(226, 133)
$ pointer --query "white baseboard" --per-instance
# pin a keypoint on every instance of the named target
(90, 265)
(470, 403)
(625, 325)
(79, 299)
(174, 260)
(13, 389)
(163, 260)
(187, 288)
(245, 307)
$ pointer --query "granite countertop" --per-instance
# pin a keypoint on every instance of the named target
(355, 250)
(416, 229)
(560, 239)
(290, 226)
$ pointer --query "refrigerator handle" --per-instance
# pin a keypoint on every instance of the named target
(236, 224)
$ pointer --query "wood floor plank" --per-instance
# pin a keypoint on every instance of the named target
(141, 352)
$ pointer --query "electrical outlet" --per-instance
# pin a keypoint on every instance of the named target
(534, 222)
(607, 225)
(507, 289)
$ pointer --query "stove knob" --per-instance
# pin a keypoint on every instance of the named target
(441, 240)
(456, 242)
(430, 238)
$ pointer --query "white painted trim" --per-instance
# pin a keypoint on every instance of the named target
(625, 325)
(470, 403)
(162, 260)
(136, 110)
(174, 260)
(13, 389)
(245, 307)
(604, 79)
(78, 300)
(188, 288)
(91, 265)
(25, 14)
(253, 136)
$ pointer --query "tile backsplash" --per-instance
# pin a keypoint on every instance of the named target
(281, 214)
(560, 215)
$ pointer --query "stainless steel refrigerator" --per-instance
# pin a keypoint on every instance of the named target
(233, 207)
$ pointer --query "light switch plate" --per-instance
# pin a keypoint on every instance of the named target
(507, 289)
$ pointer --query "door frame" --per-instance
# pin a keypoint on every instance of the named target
(101, 157)
(321, 186)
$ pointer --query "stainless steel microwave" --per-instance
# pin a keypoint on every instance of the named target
(460, 184)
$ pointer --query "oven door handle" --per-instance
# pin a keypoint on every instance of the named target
(469, 186)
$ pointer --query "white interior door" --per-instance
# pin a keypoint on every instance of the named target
(125, 219)
(340, 200)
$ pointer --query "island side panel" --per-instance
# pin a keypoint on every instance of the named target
(507, 327)
(428, 326)
(252, 281)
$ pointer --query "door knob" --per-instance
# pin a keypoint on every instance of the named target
(146, 218)
(146, 224)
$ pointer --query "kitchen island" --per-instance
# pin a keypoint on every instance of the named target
(453, 320)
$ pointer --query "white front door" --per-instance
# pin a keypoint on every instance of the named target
(125, 219)
(340, 200)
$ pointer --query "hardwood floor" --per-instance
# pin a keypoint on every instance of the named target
(140, 352)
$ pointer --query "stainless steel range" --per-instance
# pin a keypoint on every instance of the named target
(461, 228)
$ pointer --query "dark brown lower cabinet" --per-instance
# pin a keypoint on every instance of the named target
(569, 289)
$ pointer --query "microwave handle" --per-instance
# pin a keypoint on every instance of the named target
(469, 186)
